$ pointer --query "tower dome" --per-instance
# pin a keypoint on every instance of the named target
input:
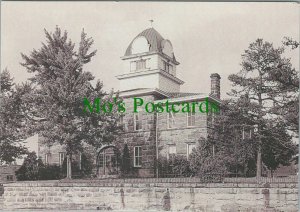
(150, 40)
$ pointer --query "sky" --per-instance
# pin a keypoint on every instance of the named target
(206, 37)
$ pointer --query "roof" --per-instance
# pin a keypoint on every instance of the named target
(167, 94)
(142, 91)
(181, 94)
(154, 39)
(170, 96)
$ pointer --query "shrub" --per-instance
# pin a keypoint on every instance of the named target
(34, 169)
(30, 168)
(176, 166)
(50, 172)
(126, 167)
(203, 162)
(180, 166)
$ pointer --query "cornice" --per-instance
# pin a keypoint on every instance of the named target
(149, 72)
(150, 53)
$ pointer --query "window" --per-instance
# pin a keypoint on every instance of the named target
(114, 161)
(167, 67)
(191, 119)
(107, 160)
(141, 64)
(133, 66)
(247, 133)
(9, 177)
(137, 156)
(47, 158)
(101, 160)
(140, 45)
(167, 48)
(137, 121)
(121, 121)
(137, 65)
(189, 149)
(62, 156)
(171, 120)
(171, 150)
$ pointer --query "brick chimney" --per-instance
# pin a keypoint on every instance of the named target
(215, 85)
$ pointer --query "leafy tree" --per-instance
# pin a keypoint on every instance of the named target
(81, 170)
(277, 146)
(290, 42)
(75, 168)
(30, 168)
(6, 82)
(255, 82)
(286, 79)
(233, 137)
(60, 85)
(12, 120)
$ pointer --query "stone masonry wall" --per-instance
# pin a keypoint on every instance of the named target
(180, 134)
(151, 196)
(144, 137)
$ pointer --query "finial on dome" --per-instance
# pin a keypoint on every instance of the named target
(151, 21)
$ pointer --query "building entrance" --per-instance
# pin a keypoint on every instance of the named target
(108, 162)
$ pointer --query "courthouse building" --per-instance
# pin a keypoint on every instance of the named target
(150, 73)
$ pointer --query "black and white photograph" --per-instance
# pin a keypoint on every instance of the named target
(149, 106)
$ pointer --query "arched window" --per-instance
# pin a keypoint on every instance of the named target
(140, 45)
(167, 48)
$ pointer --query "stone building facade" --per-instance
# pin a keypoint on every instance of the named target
(150, 73)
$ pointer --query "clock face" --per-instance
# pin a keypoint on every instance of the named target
(167, 48)
(140, 45)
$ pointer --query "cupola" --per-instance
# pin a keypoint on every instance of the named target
(149, 62)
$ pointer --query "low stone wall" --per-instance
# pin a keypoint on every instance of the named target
(151, 196)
